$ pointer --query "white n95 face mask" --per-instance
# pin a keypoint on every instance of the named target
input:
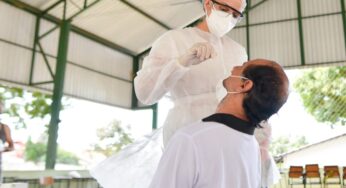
(220, 25)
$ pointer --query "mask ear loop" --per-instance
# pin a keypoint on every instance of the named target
(233, 92)
(237, 92)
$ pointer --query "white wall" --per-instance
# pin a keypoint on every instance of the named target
(332, 152)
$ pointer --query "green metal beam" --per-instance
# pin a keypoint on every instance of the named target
(85, 3)
(51, 7)
(343, 14)
(69, 62)
(143, 108)
(155, 113)
(98, 72)
(84, 9)
(82, 32)
(290, 19)
(52, 146)
(45, 59)
(135, 68)
(37, 31)
(254, 6)
(301, 34)
(42, 83)
(341, 62)
(64, 11)
(48, 32)
(146, 14)
(144, 52)
(102, 41)
(248, 31)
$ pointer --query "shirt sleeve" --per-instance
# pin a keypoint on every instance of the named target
(161, 69)
(178, 165)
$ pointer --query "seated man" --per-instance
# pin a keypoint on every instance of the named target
(221, 150)
(5, 137)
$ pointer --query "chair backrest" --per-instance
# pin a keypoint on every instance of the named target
(312, 171)
(331, 171)
(344, 172)
(46, 180)
(295, 172)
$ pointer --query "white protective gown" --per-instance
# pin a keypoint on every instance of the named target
(270, 172)
(192, 90)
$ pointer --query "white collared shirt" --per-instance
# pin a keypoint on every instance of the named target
(209, 155)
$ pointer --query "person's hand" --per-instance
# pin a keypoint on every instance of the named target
(7, 149)
(198, 53)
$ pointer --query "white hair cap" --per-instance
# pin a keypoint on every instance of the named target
(243, 5)
(242, 8)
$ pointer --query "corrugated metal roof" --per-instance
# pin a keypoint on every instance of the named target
(133, 24)
(107, 35)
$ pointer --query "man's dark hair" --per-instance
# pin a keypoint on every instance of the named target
(268, 94)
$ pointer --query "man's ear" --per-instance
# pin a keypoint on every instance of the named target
(247, 85)
(207, 3)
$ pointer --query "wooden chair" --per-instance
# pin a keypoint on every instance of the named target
(344, 175)
(331, 175)
(312, 174)
(46, 181)
(296, 176)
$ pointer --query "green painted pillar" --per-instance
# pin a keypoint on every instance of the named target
(57, 95)
(301, 33)
(248, 29)
(343, 14)
(154, 108)
(37, 31)
(135, 68)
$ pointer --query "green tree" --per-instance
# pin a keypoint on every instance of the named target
(65, 157)
(112, 138)
(22, 104)
(36, 152)
(283, 145)
(323, 91)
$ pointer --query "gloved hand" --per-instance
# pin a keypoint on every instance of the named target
(198, 53)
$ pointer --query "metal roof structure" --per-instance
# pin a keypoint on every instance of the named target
(104, 41)
(101, 48)
(109, 35)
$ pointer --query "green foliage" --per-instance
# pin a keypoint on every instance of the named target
(36, 152)
(66, 157)
(22, 104)
(112, 138)
(285, 144)
(323, 91)
(39, 106)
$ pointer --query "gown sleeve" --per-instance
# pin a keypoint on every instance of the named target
(178, 165)
(270, 172)
(161, 69)
(263, 137)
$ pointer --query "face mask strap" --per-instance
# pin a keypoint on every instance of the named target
(241, 77)
(235, 76)
(234, 92)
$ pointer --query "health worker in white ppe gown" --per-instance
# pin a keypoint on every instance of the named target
(188, 65)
